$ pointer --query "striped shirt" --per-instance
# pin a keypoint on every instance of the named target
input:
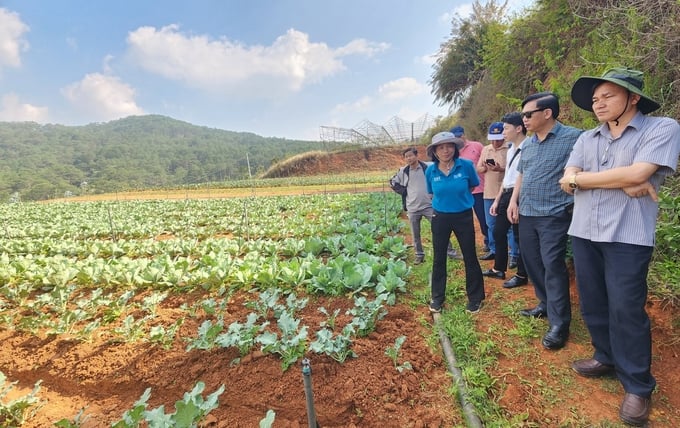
(610, 215)
(542, 167)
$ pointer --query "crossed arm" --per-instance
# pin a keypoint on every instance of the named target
(632, 179)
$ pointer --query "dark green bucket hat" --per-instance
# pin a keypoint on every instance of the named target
(582, 91)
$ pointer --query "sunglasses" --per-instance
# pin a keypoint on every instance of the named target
(527, 114)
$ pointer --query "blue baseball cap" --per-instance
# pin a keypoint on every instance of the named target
(458, 131)
(496, 131)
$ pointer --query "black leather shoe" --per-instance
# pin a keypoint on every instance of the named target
(537, 312)
(635, 410)
(515, 281)
(513, 263)
(498, 274)
(592, 368)
(555, 338)
(488, 256)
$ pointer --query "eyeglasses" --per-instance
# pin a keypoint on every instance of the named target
(527, 114)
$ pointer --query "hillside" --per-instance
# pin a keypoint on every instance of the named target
(387, 159)
(46, 161)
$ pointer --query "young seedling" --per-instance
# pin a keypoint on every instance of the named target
(394, 353)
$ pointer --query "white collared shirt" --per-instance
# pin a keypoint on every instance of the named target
(511, 172)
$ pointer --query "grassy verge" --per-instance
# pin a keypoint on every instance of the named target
(511, 380)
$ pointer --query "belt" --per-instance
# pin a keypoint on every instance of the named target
(508, 190)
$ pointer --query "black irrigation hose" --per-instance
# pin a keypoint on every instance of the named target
(469, 411)
(309, 395)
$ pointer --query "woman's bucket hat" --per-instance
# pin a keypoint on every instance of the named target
(443, 138)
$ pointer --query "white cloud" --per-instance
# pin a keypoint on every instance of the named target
(12, 43)
(12, 110)
(361, 105)
(102, 97)
(388, 93)
(106, 64)
(401, 88)
(362, 47)
(287, 65)
(428, 59)
(462, 11)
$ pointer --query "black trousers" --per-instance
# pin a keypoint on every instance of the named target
(462, 225)
(612, 285)
(543, 242)
(500, 236)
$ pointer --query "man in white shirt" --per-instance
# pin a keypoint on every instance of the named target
(514, 132)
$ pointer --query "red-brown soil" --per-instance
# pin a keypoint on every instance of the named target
(109, 377)
(106, 378)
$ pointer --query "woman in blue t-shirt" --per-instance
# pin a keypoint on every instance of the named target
(450, 180)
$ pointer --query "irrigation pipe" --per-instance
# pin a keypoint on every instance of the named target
(309, 395)
(469, 411)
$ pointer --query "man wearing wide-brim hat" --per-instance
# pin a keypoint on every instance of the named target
(614, 172)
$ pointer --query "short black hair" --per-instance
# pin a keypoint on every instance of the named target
(410, 149)
(515, 119)
(545, 100)
(435, 159)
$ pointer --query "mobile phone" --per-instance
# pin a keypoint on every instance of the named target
(491, 162)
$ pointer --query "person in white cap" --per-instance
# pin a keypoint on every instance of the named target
(614, 173)
(450, 180)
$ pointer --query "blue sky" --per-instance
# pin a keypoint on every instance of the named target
(275, 68)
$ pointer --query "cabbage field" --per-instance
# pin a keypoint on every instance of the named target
(101, 272)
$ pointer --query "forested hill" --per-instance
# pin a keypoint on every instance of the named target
(45, 161)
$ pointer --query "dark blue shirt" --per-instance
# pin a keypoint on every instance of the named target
(452, 193)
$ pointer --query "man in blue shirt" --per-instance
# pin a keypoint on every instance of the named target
(544, 213)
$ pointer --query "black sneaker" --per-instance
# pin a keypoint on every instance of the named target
(434, 308)
(474, 307)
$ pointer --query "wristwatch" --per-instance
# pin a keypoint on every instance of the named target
(572, 182)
